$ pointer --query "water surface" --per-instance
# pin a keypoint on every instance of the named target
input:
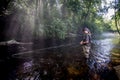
(66, 63)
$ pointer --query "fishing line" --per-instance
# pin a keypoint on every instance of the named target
(48, 48)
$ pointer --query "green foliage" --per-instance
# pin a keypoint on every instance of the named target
(56, 20)
(57, 29)
(74, 5)
(95, 28)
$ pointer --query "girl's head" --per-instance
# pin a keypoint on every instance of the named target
(86, 30)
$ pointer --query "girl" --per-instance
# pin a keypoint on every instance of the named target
(86, 41)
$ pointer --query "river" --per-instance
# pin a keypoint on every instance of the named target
(67, 63)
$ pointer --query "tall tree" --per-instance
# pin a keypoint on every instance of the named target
(117, 15)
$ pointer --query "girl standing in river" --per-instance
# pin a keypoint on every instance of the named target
(86, 41)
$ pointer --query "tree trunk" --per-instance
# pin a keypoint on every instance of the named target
(116, 24)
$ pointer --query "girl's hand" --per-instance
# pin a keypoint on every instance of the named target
(81, 42)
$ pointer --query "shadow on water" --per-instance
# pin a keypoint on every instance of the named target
(64, 63)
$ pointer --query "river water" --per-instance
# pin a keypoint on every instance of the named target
(67, 63)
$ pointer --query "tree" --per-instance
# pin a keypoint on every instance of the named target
(42, 17)
(117, 15)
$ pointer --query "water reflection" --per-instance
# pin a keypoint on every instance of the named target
(100, 60)
(115, 52)
(100, 57)
(101, 52)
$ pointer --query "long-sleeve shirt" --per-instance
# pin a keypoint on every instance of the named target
(87, 38)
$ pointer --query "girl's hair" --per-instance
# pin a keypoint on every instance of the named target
(86, 29)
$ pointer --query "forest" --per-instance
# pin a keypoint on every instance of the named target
(57, 19)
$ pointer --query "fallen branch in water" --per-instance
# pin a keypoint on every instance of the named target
(10, 42)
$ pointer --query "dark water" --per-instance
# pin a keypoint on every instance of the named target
(66, 63)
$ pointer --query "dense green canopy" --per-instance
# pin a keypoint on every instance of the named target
(59, 18)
